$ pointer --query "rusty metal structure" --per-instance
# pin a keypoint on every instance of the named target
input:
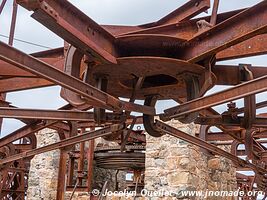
(173, 58)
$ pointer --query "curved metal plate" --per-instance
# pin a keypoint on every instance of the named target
(149, 41)
(130, 67)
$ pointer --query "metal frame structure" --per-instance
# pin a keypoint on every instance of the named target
(173, 58)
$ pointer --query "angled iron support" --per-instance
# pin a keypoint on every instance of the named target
(74, 26)
(185, 12)
(241, 27)
(94, 96)
(65, 143)
(237, 92)
(203, 144)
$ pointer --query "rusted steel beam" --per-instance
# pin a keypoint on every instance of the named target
(185, 12)
(96, 97)
(90, 161)
(24, 132)
(234, 30)
(65, 143)
(10, 70)
(251, 47)
(62, 174)
(218, 137)
(23, 147)
(68, 115)
(45, 114)
(260, 122)
(51, 53)
(18, 84)
(203, 144)
(74, 26)
(213, 18)
(242, 90)
(117, 30)
(185, 30)
(2, 6)
(13, 23)
(232, 74)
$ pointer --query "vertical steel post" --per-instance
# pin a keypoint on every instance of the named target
(90, 160)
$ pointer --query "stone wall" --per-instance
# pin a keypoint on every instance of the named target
(42, 183)
(174, 165)
(171, 165)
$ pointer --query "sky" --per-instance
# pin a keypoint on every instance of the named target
(116, 12)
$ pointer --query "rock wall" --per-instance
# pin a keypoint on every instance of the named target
(174, 165)
(42, 183)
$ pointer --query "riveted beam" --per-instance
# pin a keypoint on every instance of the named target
(237, 92)
(95, 97)
(241, 27)
(73, 26)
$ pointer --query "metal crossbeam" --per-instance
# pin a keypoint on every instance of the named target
(203, 144)
(185, 12)
(75, 27)
(240, 91)
(238, 28)
(65, 143)
(35, 66)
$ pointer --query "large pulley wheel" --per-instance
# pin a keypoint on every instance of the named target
(192, 89)
(148, 120)
(72, 67)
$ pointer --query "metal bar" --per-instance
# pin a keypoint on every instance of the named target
(74, 189)
(233, 75)
(203, 144)
(18, 84)
(260, 122)
(90, 162)
(184, 12)
(24, 132)
(68, 115)
(251, 47)
(65, 143)
(215, 8)
(10, 70)
(13, 23)
(75, 27)
(2, 6)
(238, 28)
(81, 160)
(248, 88)
(185, 30)
(96, 97)
(62, 174)
(126, 137)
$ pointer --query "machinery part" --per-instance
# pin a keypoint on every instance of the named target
(148, 120)
(117, 148)
(121, 161)
(72, 67)
(193, 88)
(100, 113)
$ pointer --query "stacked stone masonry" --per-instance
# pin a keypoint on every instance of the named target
(174, 165)
(42, 183)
